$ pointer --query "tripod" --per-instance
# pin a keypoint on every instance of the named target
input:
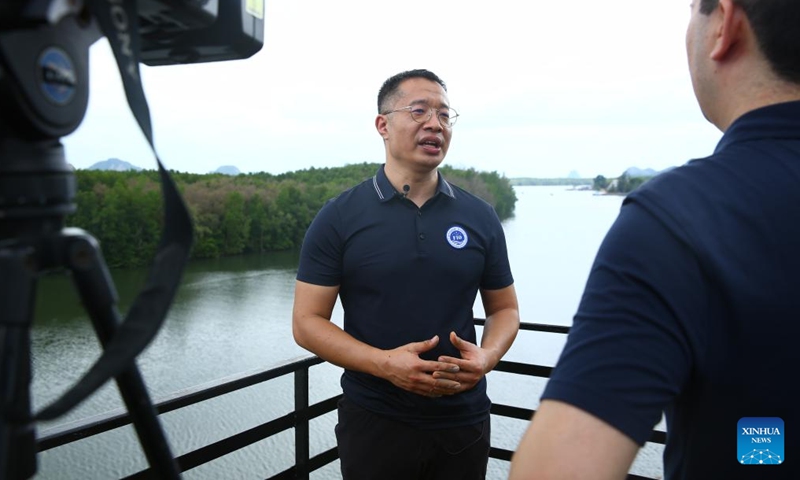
(29, 247)
(37, 189)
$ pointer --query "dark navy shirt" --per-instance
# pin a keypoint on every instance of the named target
(406, 274)
(692, 308)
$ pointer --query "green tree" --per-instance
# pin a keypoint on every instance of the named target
(248, 213)
(600, 183)
(235, 224)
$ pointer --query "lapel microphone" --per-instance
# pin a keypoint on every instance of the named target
(406, 188)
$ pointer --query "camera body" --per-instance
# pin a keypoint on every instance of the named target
(195, 31)
(44, 51)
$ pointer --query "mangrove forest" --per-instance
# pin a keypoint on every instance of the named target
(232, 215)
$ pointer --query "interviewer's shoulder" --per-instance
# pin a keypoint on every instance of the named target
(678, 185)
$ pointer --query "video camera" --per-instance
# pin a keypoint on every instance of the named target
(44, 91)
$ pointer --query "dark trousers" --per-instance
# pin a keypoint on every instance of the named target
(376, 448)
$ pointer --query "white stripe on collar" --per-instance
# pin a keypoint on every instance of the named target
(377, 188)
(381, 196)
(449, 188)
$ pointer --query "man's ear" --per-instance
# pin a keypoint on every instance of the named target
(730, 30)
(382, 126)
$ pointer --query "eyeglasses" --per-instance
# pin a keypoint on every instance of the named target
(447, 116)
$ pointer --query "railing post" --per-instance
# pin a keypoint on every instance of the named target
(301, 429)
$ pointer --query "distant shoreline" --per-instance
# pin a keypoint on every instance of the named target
(526, 181)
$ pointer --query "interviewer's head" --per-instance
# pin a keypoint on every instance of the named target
(743, 54)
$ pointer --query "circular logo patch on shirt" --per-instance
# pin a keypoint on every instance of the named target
(457, 237)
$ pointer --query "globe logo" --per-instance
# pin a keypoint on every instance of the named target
(457, 237)
(760, 457)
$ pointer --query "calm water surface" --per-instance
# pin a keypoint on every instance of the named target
(234, 315)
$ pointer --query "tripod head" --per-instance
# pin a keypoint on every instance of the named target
(44, 91)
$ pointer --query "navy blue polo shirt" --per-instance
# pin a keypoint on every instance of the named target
(406, 274)
(692, 308)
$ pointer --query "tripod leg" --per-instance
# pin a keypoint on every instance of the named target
(17, 435)
(99, 297)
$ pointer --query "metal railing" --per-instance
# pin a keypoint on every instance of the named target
(298, 419)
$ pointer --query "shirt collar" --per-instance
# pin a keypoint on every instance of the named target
(385, 190)
(780, 121)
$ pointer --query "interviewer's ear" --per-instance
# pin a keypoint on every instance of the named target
(381, 124)
(731, 29)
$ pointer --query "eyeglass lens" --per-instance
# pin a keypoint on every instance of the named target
(422, 115)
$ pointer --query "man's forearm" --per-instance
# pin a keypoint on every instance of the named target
(499, 333)
(328, 341)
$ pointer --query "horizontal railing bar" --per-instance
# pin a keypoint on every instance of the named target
(533, 327)
(658, 437)
(523, 369)
(227, 445)
(519, 413)
(314, 463)
(67, 433)
(85, 428)
(238, 441)
(324, 458)
(511, 412)
(211, 390)
(323, 407)
(500, 453)
(288, 474)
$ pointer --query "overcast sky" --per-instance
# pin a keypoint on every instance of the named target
(543, 88)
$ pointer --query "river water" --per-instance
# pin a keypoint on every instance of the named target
(233, 315)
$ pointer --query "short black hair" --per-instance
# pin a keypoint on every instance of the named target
(775, 23)
(392, 84)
